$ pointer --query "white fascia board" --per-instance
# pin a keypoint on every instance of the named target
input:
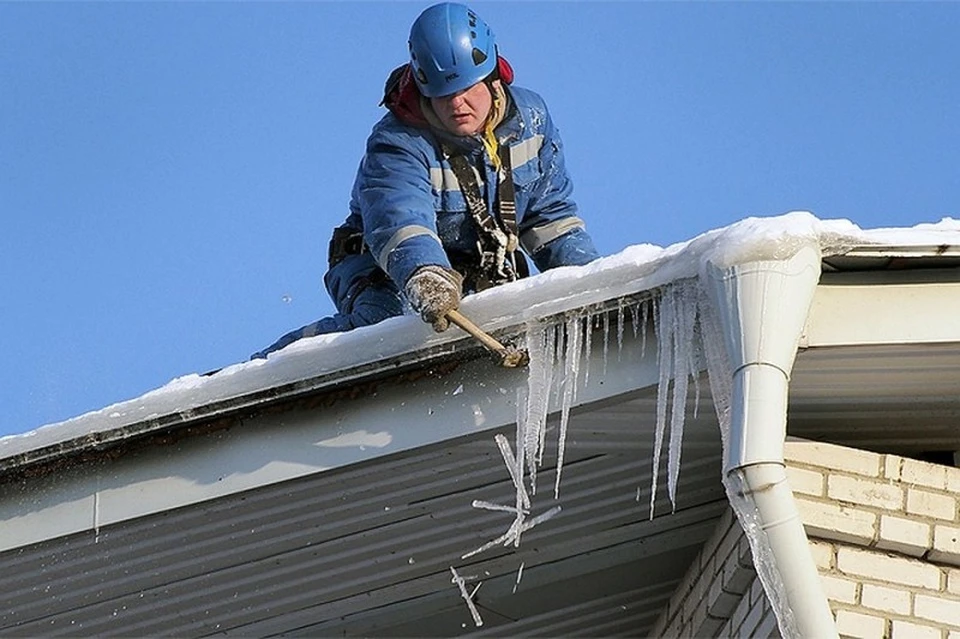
(876, 310)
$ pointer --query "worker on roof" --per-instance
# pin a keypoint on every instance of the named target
(462, 172)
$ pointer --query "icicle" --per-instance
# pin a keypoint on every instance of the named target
(515, 468)
(718, 363)
(519, 576)
(523, 499)
(664, 323)
(503, 539)
(539, 519)
(685, 315)
(635, 318)
(606, 341)
(620, 319)
(513, 533)
(553, 351)
(572, 369)
(541, 345)
(587, 347)
(696, 353)
(489, 505)
(643, 322)
(461, 584)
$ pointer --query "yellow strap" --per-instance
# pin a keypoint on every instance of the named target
(491, 145)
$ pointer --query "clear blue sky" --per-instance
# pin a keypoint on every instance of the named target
(170, 172)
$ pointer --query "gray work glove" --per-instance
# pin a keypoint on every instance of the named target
(434, 291)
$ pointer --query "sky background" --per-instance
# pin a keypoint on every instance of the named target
(170, 172)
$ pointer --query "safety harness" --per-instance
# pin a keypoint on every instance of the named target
(500, 262)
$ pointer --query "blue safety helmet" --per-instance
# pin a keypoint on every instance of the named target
(451, 49)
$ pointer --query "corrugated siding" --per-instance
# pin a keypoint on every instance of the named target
(366, 550)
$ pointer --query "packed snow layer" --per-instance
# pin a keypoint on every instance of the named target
(635, 269)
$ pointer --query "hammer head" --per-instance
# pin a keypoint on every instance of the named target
(513, 357)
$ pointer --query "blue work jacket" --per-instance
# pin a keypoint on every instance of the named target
(407, 201)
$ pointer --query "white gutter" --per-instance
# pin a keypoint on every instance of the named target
(762, 307)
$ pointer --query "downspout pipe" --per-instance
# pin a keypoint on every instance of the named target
(762, 307)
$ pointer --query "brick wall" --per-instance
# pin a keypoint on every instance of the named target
(721, 595)
(885, 536)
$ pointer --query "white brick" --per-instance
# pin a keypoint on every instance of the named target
(736, 578)
(721, 603)
(946, 545)
(834, 457)
(752, 621)
(710, 628)
(885, 599)
(728, 544)
(953, 581)
(939, 609)
(865, 492)
(839, 589)
(699, 617)
(822, 554)
(905, 536)
(907, 630)
(882, 567)
(891, 467)
(953, 480)
(740, 613)
(806, 482)
(745, 553)
(836, 522)
(921, 473)
(927, 504)
(768, 626)
(855, 624)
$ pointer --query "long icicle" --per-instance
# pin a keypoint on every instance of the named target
(665, 338)
(572, 369)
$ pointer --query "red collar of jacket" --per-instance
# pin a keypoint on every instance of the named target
(402, 96)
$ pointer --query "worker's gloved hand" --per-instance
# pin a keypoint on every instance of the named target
(434, 291)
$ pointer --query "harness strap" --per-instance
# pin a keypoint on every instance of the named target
(507, 207)
(499, 260)
(506, 194)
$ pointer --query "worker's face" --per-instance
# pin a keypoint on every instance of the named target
(465, 112)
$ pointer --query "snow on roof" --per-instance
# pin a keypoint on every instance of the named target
(635, 269)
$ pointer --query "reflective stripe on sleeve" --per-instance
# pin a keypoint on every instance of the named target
(402, 235)
(525, 151)
(536, 237)
(443, 180)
